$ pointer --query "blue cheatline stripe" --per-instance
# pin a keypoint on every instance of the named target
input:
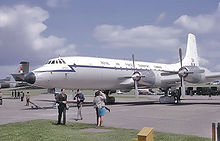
(102, 67)
(87, 66)
(71, 67)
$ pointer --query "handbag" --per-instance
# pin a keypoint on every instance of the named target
(67, 106)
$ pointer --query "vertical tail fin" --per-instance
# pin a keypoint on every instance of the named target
(23, 67)
(191, 58)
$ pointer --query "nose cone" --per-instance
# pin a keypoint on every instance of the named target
(30, 78)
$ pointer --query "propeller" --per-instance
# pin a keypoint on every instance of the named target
(136, 89)
(136, 77)
(182, 73)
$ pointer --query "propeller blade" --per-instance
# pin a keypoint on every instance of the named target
(133, 62)
(183, 92)
(180, 55)
(136, 89)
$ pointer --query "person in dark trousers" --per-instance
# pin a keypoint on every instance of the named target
(18, 94)
(22, 96)
(96, 108)
(15, 94)
(1, 98)
(62, 101)
(79, 97)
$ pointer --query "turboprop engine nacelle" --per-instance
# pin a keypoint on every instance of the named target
(194, 74)
(151, 78)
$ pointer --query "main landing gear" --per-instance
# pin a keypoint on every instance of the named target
(173, 97)
(109, 98)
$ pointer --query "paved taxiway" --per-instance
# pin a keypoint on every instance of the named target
(193, 116)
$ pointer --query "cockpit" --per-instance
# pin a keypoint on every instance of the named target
(56, 61)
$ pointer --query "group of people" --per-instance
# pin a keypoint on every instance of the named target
(17, 95)
(21, 96)
(98, 102)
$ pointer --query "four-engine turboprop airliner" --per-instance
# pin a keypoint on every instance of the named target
(112, 74)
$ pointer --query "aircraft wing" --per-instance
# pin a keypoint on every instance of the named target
(126, 83)
(21, 88)
(170, 80)
(15, 88)
(212, 76)
(166, 81)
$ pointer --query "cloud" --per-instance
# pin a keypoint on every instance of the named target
(203, 61)
(56, 3)
(203, 24)
(147, 36)
(217, 67)
(68, 51)
(161, 17)
(162, 60)
(8, 69)
(21, 36)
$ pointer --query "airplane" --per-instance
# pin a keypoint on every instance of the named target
(93, 73)
(13, 81)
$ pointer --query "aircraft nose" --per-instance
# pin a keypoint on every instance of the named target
(30, 78)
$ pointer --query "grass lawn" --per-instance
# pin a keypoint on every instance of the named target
(37, 130)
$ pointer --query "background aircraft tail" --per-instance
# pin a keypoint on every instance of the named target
(191, 58)
(23, 69)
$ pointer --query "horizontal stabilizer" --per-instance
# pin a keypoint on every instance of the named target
(18, 76)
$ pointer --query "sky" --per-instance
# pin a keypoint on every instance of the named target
(152, 30)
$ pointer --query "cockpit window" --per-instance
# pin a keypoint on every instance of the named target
(60, 62)
(63, 61)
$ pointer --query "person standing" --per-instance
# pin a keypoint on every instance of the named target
(62, 101)
(99, 102)
(15, 94)
(18, 94)
(96, 108)
(22, 96)
(27, 99)
(79, 97)
(1, 98)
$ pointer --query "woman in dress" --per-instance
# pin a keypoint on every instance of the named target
(99, 104)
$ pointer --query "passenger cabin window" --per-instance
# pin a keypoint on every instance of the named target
(60, 62)
(56, 62)
(53, 62)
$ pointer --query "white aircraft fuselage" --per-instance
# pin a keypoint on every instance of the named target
(94, 73)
